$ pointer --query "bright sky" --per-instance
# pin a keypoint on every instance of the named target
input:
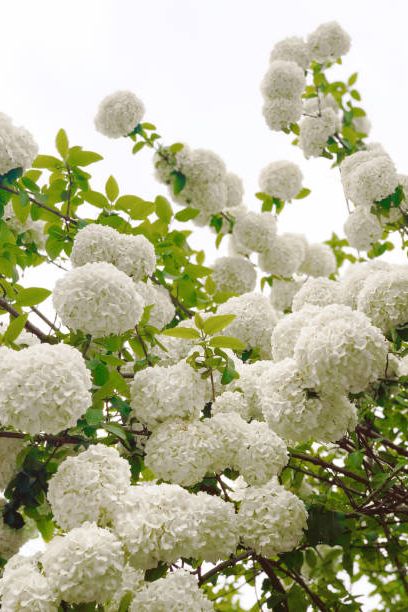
(197, 67)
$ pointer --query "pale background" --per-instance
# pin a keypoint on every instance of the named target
(197, 66)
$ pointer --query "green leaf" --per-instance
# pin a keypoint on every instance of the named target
(352, 79)
(303, 193)
(15, 328)
(77, 157)
(61, 142)
(178, 181)
(186, 214)
(21, 210)
(116, 429)
(96, 199)
(227, 342)
(32, 296)
(182, 332)
(217, 323)
(47, 161)
(135, 207)
(163, 209)
(111, 189)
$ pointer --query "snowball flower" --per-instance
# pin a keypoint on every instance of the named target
(162, 393)
(234, 275)
(43, 388)
(248, 383)
(279, 113)
(319, 261)
(163, 310)
(23, 587)
(362, 125)
(368, 176)
(315, 131)
(384, 298)
(236, 248)
(292, 49)
(17, 146)
(118, 114)
(177, 591)
(316, 104)
(232, 401)
(362, 228)
(255, 231)
(261, 455)
(86, 565)
(340, 349)
(355, 276)
(281, 179)
(328, 42)
(285, 255)
(87, 486)
(287, 330)
(283, 292)
(9, 450)
(97, 299)
(254, 321)
(318, 292)
(271, 519)
(235, 190)
(283, 80)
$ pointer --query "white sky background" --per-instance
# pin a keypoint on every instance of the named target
(197, 67)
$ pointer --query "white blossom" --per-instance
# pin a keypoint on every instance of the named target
(162, 393)
(368, 176)
(255, 231)
(315, 131)
(118, 114)
(283, 292)
(285, 255)
(23, 588)
(279, 113)
(292, 49)
(85, 565)
(9, 450)
(313, 106)
(163, 310)
(33, 230)
(355, 276)
(232, 401)
(287, 330)
(328, 42)
(318, 291)
(235, 190)
(234, 275)
(271, 519)
(132, 580)
(362, 228)
(283, 79)
(87, 486)
(384, 298)
(248, 384)
(17, 146)
(281, 179)
(362, 125)
(319, 260)
(340, 349)
(97, 299)
(43, 388)
(236, 248)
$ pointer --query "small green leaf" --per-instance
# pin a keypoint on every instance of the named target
(303, 193)
(116, 429)
(186, 214)
(111, 189)
(182, 332)
(178, 181)
(61, 142)
(135, 207)
(32, 296)
(15, 328)
(77, 157)
(227, 342)
(96, 199)
(47, 161)
(217, 323)
(352, 79)
(163, 209)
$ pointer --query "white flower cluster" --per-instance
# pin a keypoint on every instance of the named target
(287, 330)
(118, 114)
(249, 384)
(163, 310)
(162, 393)
(285, 255)
(33, 230)
(298, 415)
(328, 42)
(282, 87)
(281, 179)
(183, 453)
(384, 298)
(232, 401)
(271, 519)
(283, 292)
(134, 255)
(355, 277)
(313, 106)
(255, 231)
(318, 292)
(235, 190)
(315, 131)
(254, 321)
(43, 388)
(85, 565)
(281, 112)
(23, 587)
(17, 146)
(362, 228)
(9, 450)
(177, 591)
(340, 349)
(319, 261)
(97, 299)
(165, 522)
(292, 49)
(368, 176)
(87, 486)
(234, 275)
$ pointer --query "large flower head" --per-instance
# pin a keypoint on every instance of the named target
(118, 114)
(281, 179)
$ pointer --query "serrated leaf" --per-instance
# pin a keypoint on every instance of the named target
(61, 142)
(15, 328)
(111, 189)
(32, 296)
(227, 342)
(182, 332)
(217, 323)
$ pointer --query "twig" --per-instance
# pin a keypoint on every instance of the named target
(28, 326)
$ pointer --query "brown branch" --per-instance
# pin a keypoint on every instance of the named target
(144, 347)
(176, 302)
(327, 465)
(4, 305)
(54, 211)
(267, 567)
(55, 440)
(218, 568)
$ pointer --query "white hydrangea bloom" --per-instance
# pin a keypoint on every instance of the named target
(354, 161)
(340, 349)
(162, 393)
(281, 179)
(313, 106)
(254, 321)
(24, 588)
(134, 255)
(248, 383)
(271, 519)
(163, 310)
(328, 42)
(236, 249)
(33, 230)
(283, 292)
(87, 486)
(319, 260)
(285, 256)
(318, 291)
(355, 276)
(362, 228)
(403, 182)
(44, 388)
(132, 581)
(256, 231)
(235, 190)
(232, 401)
(368, 176)
(177, 591)
(362, 125)
(234, 275)
(118, 114)
(9, 450)
(86, 565)
(315, 131)
(292, 49)
(384, 298)
(97, 299)
(287, 330)
(261, 455)
(283, 79)
(17, 146)
(297, 414)
(281, 112)
(176, 348)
